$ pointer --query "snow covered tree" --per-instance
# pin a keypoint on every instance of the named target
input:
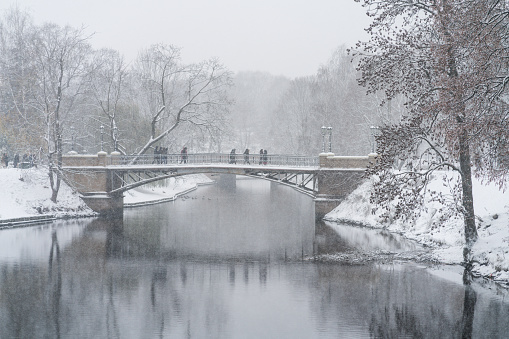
(448, 58)
(61, 55)
(17, 77)
(41, 76)
(107, 83)
(172, 93)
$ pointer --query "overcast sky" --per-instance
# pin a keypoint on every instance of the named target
(282, 37)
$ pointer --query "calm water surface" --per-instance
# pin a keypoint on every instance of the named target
(226, 262)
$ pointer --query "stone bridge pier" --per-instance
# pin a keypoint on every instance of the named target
(337, 177)
(94, 180)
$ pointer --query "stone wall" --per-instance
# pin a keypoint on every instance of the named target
(337, 177)
(97, 179)
(83, 160)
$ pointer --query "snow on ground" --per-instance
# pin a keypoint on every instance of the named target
(491, 205)
(169, 191)
(27, 192)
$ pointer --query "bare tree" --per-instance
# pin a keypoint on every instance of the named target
(332, 98)
(107, 84)
(292, 127)
(17, 78)
(173, 93)
(61, 56)
(256, 96)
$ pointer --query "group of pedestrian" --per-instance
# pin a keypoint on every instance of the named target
(27, 161)
(160, 155)
(264, 158)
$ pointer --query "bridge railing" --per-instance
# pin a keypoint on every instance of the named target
(215, 158)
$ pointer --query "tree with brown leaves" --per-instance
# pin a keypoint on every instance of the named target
(449, 59)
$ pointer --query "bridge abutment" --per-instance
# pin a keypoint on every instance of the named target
(95, 181)
(105, 204)
(334, 185)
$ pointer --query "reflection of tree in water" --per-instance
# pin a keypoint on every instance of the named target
(469, 302)
(409, 320)
(402, 321)
(111, 312)
(55, 287)
(30, 298)
(22, 289)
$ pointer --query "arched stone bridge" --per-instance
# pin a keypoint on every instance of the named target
(102, 179)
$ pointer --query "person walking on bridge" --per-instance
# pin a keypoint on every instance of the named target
(183, 155)
(261, 157)
(233, 157)
(246, 156)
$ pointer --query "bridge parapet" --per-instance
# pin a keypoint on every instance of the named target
(329, 160)
(84, 160)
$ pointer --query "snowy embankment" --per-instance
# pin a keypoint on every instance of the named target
(25, 195)
(446, 239)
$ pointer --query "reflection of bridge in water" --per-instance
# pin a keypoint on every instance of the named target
(102, 179)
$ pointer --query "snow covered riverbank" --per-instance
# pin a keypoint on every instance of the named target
(446, 239)
(25, 195)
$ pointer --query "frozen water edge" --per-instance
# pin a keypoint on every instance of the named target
(377, 256)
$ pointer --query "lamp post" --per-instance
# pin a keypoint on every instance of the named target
(72, 138)
(102, 138)
(115, 130)
(324, 129)
(329, 129)
(373, 133)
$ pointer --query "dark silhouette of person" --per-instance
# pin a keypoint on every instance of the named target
(16, 160)
(246, 156)
(183, 155)
(261, 157)
(156, 155)
(233, 157)
(265, 157)
(164, 156)
(5, 159)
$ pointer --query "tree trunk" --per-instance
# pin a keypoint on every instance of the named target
(468, 201)
(55, 184)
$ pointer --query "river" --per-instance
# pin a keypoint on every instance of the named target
(232, 261)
